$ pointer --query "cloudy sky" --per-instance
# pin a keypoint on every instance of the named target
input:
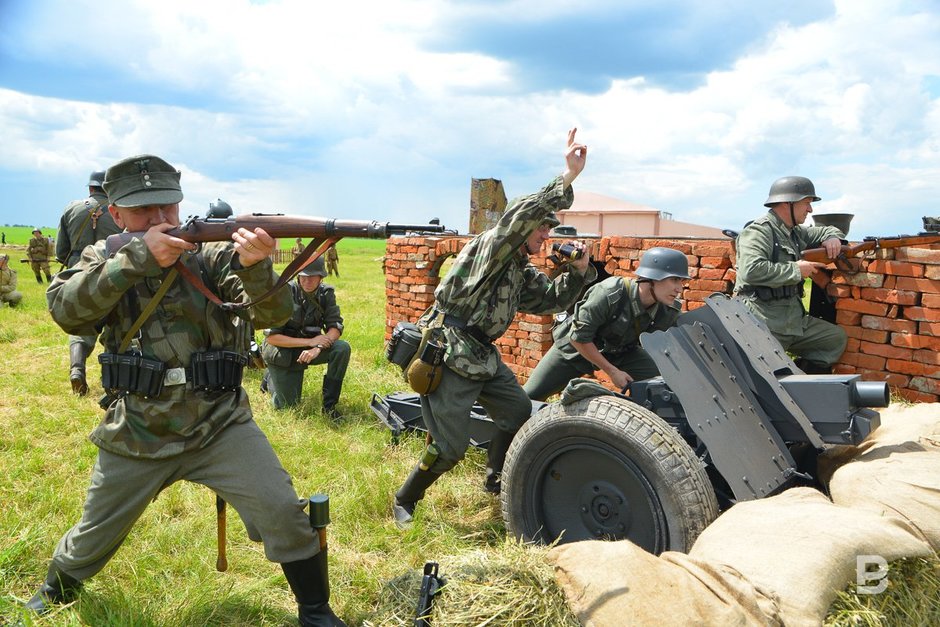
(385, 109)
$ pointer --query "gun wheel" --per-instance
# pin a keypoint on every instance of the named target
(605, 468)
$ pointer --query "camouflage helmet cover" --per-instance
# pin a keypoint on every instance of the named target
(661, 263)
(791, 189)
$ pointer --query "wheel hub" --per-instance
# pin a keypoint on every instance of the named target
(604, 509)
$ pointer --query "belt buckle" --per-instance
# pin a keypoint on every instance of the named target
(174, 376)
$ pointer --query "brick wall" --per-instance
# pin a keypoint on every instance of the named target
(890, 309)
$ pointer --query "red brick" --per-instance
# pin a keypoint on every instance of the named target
(915, 396)
(862, 279)
(887, 324)
(928, 328)
(926, 356)
(667, 243)
(884, 350)
(713, 286)
(925, 385)
(922, 314)
(853, 345)
(715, 262)
(915, 341)
(899, 268)
(918, 255)
(712, 274)
(918, 285)
(848, 318)
(905, 367)
(931, 301)
(896, 297)
(862, 306)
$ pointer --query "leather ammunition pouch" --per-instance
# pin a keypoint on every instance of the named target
(773, 293)
(210, 371)
(403, 344)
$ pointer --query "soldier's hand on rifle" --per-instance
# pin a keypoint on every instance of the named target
(833, 247)
(809, 268)
(252, 246)
(575, 158)
(166, 248)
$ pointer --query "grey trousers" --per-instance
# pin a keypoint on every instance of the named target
(285, 384)
(239, 465)
(555, 370)
(446, 411)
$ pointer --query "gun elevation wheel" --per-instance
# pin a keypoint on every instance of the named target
(605, 468)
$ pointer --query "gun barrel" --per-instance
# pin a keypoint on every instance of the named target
(870, 394)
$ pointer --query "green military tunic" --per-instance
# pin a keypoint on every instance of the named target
(208, 437)
(769, 281)
(82, 223)
(38, 251)
(313, 314)
(490, 281)
(611, 317)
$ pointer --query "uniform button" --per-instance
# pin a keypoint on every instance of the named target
(148, 183)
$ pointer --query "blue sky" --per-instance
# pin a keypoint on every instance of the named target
(386, 110)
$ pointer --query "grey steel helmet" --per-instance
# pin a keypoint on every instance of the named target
(96, 179)
(659, 263)
(791, 189)
(315, 268)
(219, 209)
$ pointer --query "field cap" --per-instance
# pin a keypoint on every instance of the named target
(37, 230)
(316, 267)
(141, 181)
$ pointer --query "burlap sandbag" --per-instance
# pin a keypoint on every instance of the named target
(897, 470)
(802, 548)
(612, 584)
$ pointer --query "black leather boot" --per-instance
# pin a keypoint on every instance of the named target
(39, 279)
(408, 495)
(495, 458)
(57, 588)
(78, 355)
(331, 391)
(310, 582)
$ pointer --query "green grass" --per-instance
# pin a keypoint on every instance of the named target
(165, 572)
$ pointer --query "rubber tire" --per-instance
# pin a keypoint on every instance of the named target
(642, 483)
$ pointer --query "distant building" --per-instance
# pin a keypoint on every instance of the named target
(606, 216)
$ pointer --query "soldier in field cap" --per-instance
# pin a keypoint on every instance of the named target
(158, 428)
(83, 222)
(38, 252)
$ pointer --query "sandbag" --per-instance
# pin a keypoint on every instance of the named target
(803, 549)
(611, 584)
(897, 470)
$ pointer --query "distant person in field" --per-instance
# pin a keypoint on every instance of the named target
(491, 279)
(298, 247)
(172, 372)
(38, 251)
(311, 337)
(83, 223)
(332, 261)
(8, 294)
(770, 273)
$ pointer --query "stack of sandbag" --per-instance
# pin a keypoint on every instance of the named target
(780, 560)
(896, 471)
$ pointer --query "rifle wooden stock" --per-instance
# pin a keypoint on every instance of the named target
(869, 243)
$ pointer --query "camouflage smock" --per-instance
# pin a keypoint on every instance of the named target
(755, 267)
(492, 279)
(316, 309)
(593, 319)
(78, 228)
(7, 280)
(185, 322)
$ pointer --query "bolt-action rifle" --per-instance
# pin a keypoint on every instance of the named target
(868, 244)
(325, 232)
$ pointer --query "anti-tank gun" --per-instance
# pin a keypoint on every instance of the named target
(731, 418)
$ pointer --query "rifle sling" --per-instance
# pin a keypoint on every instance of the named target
(167, 282)
(318, 245)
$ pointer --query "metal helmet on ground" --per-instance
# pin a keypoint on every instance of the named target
(96, 179)
(219, 209)
(661, 263)
(791, 189)
(315, 268)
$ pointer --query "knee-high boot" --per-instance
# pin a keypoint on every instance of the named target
(57, 588)
(78, 355)
(309, 580)
(412, 491)
(495, 458)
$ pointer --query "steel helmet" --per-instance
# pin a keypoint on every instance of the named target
(791, 189)
(316, 267)
(96, 179)
(658, 263)
(219, 209)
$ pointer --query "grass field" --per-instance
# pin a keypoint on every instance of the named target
(165, 572)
